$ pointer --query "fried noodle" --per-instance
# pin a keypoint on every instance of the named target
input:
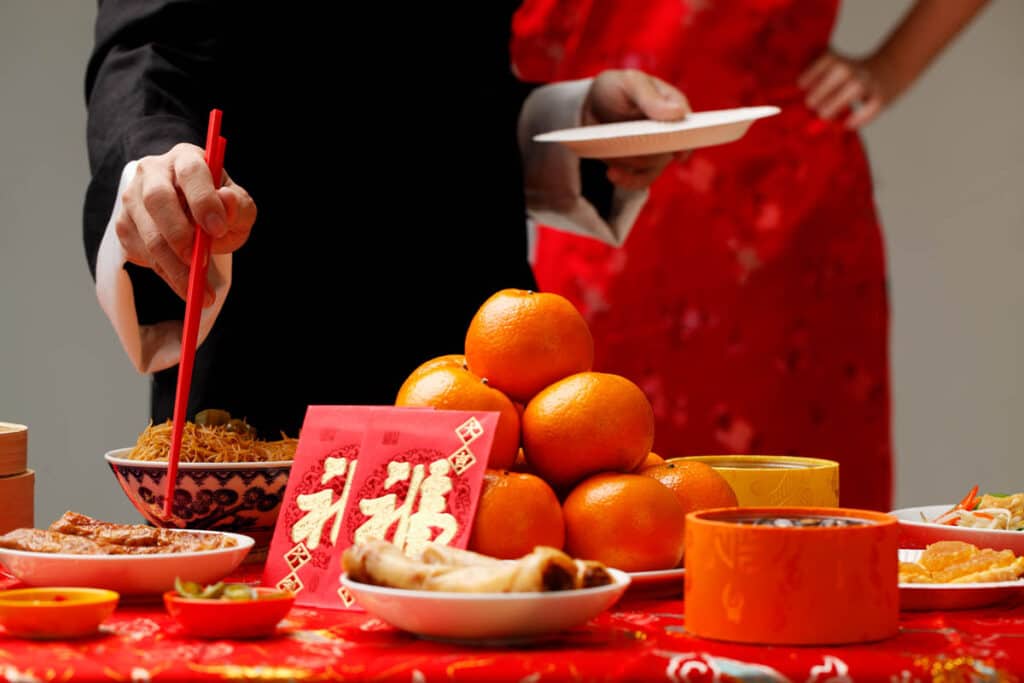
(200, 443)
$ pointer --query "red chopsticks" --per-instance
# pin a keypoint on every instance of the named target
(193, 308)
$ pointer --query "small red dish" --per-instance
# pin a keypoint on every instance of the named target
(230, 618)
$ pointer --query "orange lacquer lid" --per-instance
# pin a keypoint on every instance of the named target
(821, 576)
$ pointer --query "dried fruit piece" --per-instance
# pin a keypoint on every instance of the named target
(939, 556)
(911, 572)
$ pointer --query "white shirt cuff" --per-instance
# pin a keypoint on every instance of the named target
(552, 173)
(149, 347)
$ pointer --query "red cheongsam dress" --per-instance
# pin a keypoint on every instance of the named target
(749, 300)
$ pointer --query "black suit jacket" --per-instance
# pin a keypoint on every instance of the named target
(379, 143)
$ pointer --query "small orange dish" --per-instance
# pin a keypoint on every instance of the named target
(55, 612)
(220, 618)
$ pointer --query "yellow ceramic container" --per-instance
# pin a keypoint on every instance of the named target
(777, 480)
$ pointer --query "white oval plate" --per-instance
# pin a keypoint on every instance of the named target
(475, 617)
(638, 138)
(917, 533)
(937, 596)
(129, 575)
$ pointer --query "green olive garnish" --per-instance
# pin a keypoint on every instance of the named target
(187, 589)
(239, 427)
(212, 592)
(239, 591)
(211, 417)
(218, 591)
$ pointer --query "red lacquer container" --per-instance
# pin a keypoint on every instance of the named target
(823, 576)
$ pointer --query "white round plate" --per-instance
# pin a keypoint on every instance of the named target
(939, 596)
(917, 533)
(129, 575)
(475, 617)
(663, 583)
(638, 138)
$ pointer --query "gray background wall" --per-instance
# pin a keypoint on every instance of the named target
(948, 161)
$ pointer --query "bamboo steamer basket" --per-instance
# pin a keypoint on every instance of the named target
(17, 482)
(17, 492)
(13, 448)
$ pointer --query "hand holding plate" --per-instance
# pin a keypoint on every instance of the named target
(628, 95)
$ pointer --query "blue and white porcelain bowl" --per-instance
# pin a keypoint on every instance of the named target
(243, 497)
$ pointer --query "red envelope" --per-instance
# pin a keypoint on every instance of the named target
(304, 546)
(418, 480)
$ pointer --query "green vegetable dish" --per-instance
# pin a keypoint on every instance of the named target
(220, 591)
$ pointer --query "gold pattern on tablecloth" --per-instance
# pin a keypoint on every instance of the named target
(963, 669)
(253, 673)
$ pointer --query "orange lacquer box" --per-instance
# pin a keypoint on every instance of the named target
(792, 575)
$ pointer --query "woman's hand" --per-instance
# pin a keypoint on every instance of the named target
(626, 95)
(167, 194)
(835, 83)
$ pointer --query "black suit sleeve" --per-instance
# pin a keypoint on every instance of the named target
(594, 184)
(148, 86)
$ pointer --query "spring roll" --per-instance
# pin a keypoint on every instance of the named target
(381, 563)
(435, 553)
(590, 574)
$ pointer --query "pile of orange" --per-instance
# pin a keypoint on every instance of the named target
(571, 464)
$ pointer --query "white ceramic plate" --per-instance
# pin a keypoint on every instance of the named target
(129, 575)
(938, 596)
(487, 617)
(663, 583)
(917, 533)
(636, 138)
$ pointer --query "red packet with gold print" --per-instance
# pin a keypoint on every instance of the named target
(305, 547)
(410, 475)
(419, 479)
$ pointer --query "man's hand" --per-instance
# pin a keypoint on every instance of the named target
(166, 196)
(626, 95)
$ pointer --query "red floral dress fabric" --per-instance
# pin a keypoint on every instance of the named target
(749, 302)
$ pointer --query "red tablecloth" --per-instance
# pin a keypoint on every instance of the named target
(637, 640)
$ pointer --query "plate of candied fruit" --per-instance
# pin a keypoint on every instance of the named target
(958, 575)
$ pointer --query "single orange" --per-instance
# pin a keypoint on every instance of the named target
(626, 521)
(522, 341)
(587, 423)
(516, 512)
(697, 485)
(451, 360)
(455, 388)
(651, 460)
